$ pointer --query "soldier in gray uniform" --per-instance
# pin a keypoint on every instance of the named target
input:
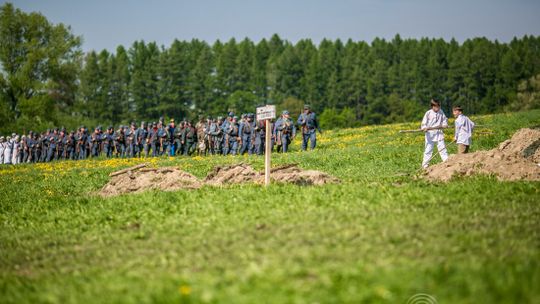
(284, 132)
(51, 151)
(140, 138)
(188, 138)
(169, 139)
(163, 142)
(131, 143)
(246, 133)
(25, 144)
(217, 135)
(69, 145)
(154, 139)
(231, 137)
(260, 137)
(38, 146)
(95, 142)
(107, 140)
(308, 123)
(120, 142)
(60, 148)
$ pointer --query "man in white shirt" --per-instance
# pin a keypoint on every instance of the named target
(464, 129)
(433, 123)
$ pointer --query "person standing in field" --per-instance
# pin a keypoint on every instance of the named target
(2, 148)
(309, 124)
(464, 129)
(8, 147)
(284, 132)
(433, 123)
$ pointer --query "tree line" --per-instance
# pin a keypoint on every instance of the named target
(47, 80)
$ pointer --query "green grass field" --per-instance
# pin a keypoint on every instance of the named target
(381, 236)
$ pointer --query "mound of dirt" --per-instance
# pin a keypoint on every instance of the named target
(524, 143)
(514, 159)
(294, 175)
(243, 173)
(140, 178)
(232, 174)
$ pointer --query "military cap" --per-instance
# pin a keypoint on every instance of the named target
(231, 114)
(285, 112)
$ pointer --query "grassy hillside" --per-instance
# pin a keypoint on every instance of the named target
(381, 236)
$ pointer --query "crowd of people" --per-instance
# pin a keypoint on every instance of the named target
(213, 136)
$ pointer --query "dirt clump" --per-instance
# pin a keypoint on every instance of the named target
(140, 178)
(524, 143)
(294, 175)
(244, 173)
(514, 159)
(232, 174)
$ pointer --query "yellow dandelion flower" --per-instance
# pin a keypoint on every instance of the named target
(184, 290)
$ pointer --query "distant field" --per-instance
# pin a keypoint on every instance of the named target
(381, 236)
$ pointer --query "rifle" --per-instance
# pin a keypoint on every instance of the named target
(434, 128)
(424, 130)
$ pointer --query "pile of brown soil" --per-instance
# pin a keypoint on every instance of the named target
(243, 173)
(514, 159)
(524, 143)
(294, 175)
(232, 174)
(139, 178)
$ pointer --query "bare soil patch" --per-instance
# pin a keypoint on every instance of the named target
(514, 159)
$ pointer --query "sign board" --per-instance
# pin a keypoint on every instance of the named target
(266, 112)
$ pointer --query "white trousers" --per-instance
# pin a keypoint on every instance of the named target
(429, 151)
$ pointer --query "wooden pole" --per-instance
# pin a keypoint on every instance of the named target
(268, 150)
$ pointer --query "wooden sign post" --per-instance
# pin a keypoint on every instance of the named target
(267, 113)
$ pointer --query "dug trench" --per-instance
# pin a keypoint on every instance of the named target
(141, 178)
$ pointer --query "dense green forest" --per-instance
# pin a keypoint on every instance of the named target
(46, 80)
